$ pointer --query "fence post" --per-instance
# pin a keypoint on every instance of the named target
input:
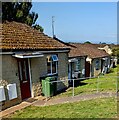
(73, 88)
(97, 84)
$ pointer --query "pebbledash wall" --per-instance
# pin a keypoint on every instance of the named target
(38, 68)
(95, 72)
(9, 76)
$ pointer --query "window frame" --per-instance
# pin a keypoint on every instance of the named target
(51, 65)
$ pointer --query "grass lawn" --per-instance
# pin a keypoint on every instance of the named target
(97, 108)
(106, 83)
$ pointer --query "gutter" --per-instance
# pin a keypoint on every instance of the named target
(52, 51)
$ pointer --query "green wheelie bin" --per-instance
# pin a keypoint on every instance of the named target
(48, 88)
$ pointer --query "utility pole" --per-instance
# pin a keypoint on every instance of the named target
(53, 26)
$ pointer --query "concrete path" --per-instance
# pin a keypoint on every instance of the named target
(54, 101)
(77, 98)
(20, 106)
(14, 108)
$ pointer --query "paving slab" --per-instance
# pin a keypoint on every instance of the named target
(14, 108)
(20, 106)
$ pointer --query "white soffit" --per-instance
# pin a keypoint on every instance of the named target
(28, 55)
(73, 60)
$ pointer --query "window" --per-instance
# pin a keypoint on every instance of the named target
(97, 65)
(23, 70)
(48, 67)
(52, 64)
(77, 65)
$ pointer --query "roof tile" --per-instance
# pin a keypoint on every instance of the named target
(86, 49)
(21, 36)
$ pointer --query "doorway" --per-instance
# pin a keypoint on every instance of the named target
(24, 78)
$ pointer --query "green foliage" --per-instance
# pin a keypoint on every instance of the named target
(115, 51)
(102, 43)
(87, 42)
(97, 108)
(37, 27)
(20, 12)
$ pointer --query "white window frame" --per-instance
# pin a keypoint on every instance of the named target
(51, 64)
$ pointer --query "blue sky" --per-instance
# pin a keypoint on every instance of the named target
(79, 21)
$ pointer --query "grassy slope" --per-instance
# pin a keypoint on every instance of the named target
(98, 108)
(106, 83)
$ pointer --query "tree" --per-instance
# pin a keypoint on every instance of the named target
(37, 27)
(102, 43)
(88, 42)
(20, 12)
(115, 52)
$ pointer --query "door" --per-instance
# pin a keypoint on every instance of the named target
(87, 69)
(69, 71)
(24, 78)
(102, 66)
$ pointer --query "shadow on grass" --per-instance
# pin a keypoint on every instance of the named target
(79, 83)
(111, 71)
(76, 84)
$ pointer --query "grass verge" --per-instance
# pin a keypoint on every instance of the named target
(105, 83)
(97, 108)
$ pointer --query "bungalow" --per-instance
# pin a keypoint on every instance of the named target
(108, 49)
(28, 56)
(97, 61)
(113, 60)
(77, 60)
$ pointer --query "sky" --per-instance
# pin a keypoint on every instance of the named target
(79, 21)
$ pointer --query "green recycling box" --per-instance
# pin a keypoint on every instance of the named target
(48, 89)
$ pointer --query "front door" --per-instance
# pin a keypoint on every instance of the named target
(102, 66)
(24, 78)
(87, 69)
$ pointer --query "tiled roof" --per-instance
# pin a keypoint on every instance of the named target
(86, 49)
(21, 36)
(76, 51)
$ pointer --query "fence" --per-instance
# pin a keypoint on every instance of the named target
(95, 84)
